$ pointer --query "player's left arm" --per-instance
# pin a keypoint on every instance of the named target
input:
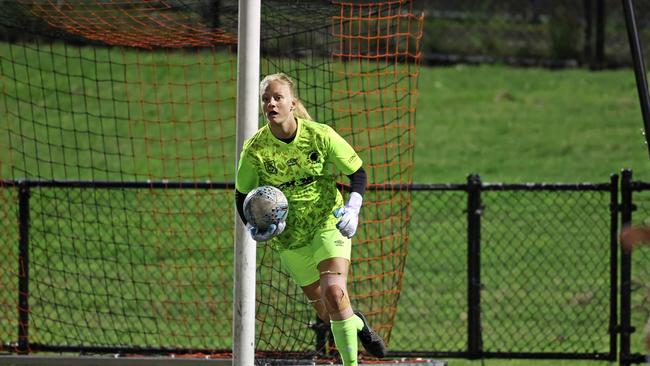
(349, 215)
(347, 161)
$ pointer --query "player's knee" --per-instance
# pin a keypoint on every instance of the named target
(322, 312)
(335, 299)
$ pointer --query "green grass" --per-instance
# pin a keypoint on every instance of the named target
(528, 125)
(104, 114)
(507, 124)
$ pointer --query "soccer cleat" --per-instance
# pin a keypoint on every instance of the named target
(371, 341)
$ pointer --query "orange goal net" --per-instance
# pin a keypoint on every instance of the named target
(117, 151)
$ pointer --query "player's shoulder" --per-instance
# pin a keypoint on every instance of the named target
(258, 137)
(316, 127)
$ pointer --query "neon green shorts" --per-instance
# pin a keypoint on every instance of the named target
(302, 263)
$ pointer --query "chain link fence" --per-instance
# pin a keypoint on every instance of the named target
(498, 270)
(635, 275)
(493, 271)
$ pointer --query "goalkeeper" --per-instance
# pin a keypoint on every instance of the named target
(296, 154)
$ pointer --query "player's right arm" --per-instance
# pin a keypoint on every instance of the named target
(245, 181)
(239, 203)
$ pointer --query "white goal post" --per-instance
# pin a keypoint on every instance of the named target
(248, 65)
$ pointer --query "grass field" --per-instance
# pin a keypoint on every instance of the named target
(528, 125)
(506, 124)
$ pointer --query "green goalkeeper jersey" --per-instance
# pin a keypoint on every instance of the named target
(303, 170)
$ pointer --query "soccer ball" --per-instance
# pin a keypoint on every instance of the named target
(264, 206)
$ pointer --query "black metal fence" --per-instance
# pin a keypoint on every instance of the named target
(511, 271)
(635, 273)
(494, 271)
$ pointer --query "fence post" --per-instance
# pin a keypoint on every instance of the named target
(626, 328)
(614, 209)
(474, 212)
(23, 268)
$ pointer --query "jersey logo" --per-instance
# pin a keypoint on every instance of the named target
(313, 156)
(269, 165)
(299, 182)
(292, 161)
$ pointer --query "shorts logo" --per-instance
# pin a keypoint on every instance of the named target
(269, 165)
(339, 243)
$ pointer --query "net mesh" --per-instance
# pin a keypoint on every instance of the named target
(141, 95)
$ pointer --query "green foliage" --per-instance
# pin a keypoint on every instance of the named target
(502, 35)
(565, 40)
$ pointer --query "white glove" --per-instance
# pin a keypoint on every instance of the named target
(349, 215)
(272, 231)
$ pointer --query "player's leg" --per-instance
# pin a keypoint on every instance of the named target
(322, 327)
(313, 293)
(333, 282)
(345, 325)
(333, 256)
(303, 270)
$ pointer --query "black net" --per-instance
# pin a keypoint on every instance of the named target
(125, 111)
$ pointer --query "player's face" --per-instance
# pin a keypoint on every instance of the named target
(278, 103)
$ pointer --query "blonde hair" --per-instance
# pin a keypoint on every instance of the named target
(299, 110)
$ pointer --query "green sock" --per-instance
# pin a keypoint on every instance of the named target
(345, 337)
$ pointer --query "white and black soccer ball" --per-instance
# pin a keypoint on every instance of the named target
(265, 205)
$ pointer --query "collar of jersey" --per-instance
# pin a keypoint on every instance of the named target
(299, 123)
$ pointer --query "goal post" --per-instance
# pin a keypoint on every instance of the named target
(248, 64)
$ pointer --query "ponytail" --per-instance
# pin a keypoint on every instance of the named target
(299, 110)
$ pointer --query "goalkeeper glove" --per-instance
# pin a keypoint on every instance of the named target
(349, 215)
(271, 231)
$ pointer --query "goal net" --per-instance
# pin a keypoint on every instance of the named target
(117, 151)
